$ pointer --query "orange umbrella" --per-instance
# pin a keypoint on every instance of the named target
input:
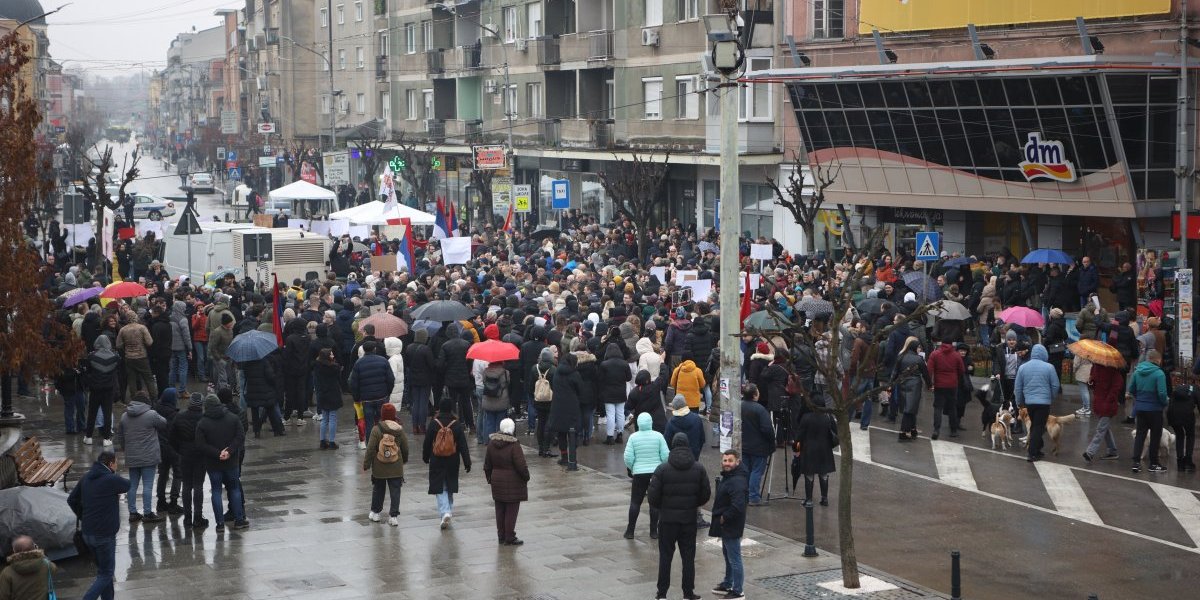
(1098, 352)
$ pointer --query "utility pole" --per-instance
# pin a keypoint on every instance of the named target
(332, 98)
(1184, 172)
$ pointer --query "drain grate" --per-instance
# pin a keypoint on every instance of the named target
(538, 597)
(825, 585)
(319, 581)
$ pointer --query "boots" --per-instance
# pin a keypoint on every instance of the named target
(608, 441)
(629, 532)
(562, 457)
(619, 435)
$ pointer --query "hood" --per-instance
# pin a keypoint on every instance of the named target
(537, 333)
(102, 343)
(1039, 353)
(421, 337)
(766, 357)
(137, 408)
(681, 455)
(391, 427)
(178, 309)
(584, 357)
(626, 330)
(644, 346)
(502, 439)
(645, 422)
(393, 346)
(214, 411)
(700, 325)
(170, 397)
(565, 368)
(1145, 368)
(28, 562)
(683, 325)
(612, 352)
(687, 366)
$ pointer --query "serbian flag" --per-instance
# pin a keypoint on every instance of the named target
(746, 299)
(508, 220)
(277, 313)
(441, 225)
(453, 219)
(406, 251)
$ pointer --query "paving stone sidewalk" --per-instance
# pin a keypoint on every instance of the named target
(310, 537)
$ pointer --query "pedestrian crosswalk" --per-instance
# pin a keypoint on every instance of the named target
(1164, 512)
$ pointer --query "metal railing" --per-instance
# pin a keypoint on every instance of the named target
(600, 44)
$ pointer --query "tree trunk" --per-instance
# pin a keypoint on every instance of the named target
(810, 238)
(847, 230)
(845, 515)
(643, 241)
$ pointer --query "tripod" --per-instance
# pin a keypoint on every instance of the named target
(781, 428)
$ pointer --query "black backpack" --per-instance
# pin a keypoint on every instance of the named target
(492, 386)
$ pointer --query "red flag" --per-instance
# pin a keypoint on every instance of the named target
(508, 220)
(277, 313)
(746, 299)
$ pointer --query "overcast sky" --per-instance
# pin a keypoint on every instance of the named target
(109, 38)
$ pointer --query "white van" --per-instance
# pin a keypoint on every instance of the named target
(256, 251)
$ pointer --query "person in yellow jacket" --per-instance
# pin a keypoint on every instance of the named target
(688, 379)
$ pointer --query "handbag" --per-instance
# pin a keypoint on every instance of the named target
(50, 581)
(834, 441)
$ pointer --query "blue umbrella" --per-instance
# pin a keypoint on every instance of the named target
(960, 261)
(1045, 255)
(924, 286)
(79, 295)
(430, 326)
(251, 345)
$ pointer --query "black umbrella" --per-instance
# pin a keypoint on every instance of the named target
(871, 306)
(541, 234)
(442, 310)
(766, 321)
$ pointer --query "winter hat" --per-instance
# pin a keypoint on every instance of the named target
(910, 297)
(507, 426)
(763, 348)
(547, 354)
(1011, 335)
(679, 406)
(196, 401)
(680, 440)
(1056, 313)
(212, 402)
(387, 412)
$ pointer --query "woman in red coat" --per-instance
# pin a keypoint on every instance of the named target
(1107, 385)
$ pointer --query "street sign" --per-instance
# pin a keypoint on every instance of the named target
(266, 161)
(337, 168)
(266, 128)
(267, 149)
(522, 195)
(231, 156)
(231, 164)
(220, 152)
(397, 164)
(235, 174)
(229, 122)
(187, 224)
(560, 194)
(489, 157)
(502, 188)
(928, 245)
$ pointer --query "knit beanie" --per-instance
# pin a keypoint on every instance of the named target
(1011, 335)
(196, 401)
(211, 401)
(507, 426)
(387, 412)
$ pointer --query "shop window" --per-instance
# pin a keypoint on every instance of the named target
(1127, 89)
(1160, 184)
(930, 136)
(1161, 131)
(1086, 135)
(918, 94)
(818, 131)
(975, 126)
(1131, 122)
(872, 94)
(942, 94)
(955, 138)
(906, 134)
(1164, 90)
(991, 91)
(839, 132)
(806, 97)
(966, 92)
(881, 130)
(1018, 92)
(893, 94)
(1074, 91)
(1045, 91)
(851, 98)
(1106, 139)
(860, 131)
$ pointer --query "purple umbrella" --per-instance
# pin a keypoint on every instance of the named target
(80, 295)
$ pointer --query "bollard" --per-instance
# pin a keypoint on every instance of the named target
(572, 464)
(810, 548)
(955, 576)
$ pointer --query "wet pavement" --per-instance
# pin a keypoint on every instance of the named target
(310, 536)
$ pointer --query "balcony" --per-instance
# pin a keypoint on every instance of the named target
(548, 51)
(474, 131)
(602, 134)
(435, 130)
(471, 56)
(435, 61)
(550, 132)
(381, 66)
(599, 44)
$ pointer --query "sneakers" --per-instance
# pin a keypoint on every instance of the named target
(732, 595)
(289, 421)
(1157, 469)
(374, 517)
(318, 417)
(1137, 468)
(446, 521)
(135, 517)
(394, 521)
(1087, 456)
(1081, 412)
(220, 527)
(243, 524)
(301, 422)
(721, 588)
(362, 445)
(1110, 456)
(153, 518)
(87, 440)
(107, 443)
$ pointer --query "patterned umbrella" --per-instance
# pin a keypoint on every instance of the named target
(812, 307)
(1098, 352)
(1025, 317)
(951, 311)
(386, 325)
(79, 295)
(924, 286)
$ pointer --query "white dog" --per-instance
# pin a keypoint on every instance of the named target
(1166, 442)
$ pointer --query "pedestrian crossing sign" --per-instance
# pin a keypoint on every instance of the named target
(928, 245)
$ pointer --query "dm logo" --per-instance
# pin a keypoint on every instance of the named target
(1044, 160)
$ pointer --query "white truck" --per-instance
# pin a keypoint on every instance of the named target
(246, 250)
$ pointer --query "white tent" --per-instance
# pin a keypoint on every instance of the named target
(372, 213)
(302, 190)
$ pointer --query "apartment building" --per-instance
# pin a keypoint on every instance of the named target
(353, 39)
(1012, 125)
(282, 71)
(191, 84)
(577, 86)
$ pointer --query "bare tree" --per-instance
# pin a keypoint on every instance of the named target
(371, 157)
(635, 187)
(805, 206)
(418, 170)
(481, 180)
(96, 190)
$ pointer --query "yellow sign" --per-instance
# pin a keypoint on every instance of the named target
(521, 198)
(919, 15)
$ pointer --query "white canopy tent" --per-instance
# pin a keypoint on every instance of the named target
(302, 190)
(373, 213)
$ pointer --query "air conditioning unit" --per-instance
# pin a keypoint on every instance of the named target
(262, 82)
(522, 44)
(489, 30)
(650, 36)
(490, 86)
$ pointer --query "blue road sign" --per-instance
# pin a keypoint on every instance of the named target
(929, 243)
(560, 194)
(235, 174)
(231, 155)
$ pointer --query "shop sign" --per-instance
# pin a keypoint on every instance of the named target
(1193, 225)
(489, 157)
(901, 215)
(1046, 159)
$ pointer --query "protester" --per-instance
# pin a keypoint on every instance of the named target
(29, 573)
(508, 475)
(219, 439)
(371, 383)
(181, 434)
(95, 501)
(138, 437)
(1035, 386)
(758, 441)
(443, 452)
(678, 488)
(102, 380)
(1147, 388)
(646, 450)
(327, 382)
(387, 453)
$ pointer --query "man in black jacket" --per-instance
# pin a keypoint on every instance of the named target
(419, 367)
(219, 439)
(456, 374)
(181, 435)
(729, 522)
(96, 501)
(159, 352)
(371, 383)
(678, 488)
(758, 440)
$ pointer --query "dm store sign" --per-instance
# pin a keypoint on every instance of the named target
(1044, 160)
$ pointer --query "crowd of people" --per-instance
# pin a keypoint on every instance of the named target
(607, 342)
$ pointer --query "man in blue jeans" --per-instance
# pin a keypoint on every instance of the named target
(96, 501)
(220, 439)
(758, 440)
(729, 523)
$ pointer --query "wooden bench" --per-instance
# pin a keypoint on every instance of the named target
(33, 470)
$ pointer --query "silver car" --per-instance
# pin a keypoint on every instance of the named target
(201, 183)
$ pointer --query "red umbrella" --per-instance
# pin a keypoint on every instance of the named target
(125, 289)
(386, 325)
(493, 351)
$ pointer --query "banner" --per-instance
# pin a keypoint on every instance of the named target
(456, 250)
(1183, 281)
(893, 16)
(107, 233)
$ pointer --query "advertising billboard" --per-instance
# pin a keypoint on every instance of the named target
(920, 15)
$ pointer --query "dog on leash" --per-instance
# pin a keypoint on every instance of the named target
(1165, 443)
(1001, 431)
(1053, 427)
(988, 416)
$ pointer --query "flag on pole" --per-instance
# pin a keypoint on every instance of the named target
(441, 225)
(746, 295)
(277, 313)
(405, 251)
(508, 220)
(453, 220)
(387, 189)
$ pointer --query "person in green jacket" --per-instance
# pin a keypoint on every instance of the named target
(1148, 389)
(645, 450)
(386, 467)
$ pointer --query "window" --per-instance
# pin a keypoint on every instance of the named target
(385, 108)
(360, 58)
(687, 101)
(427, 34)
(508, 22)
(341, 14)
(324, 18)
(611, 91)
(325, 62)
(652, 89)
(341, 58)
(427, 104)
(654, 13)
(384, 49)
(324, 105)
(358, 13)
(755, 99)
(360, 103)
(344, 103)
(533, 101)
(410, 38)
(689, 10)
(535, 19)
(828, 20)
(412, 107)
(510, 104)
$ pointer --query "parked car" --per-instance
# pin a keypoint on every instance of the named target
(201, 183)
(150, 207)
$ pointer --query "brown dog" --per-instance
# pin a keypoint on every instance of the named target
(1000, 430)
(1053, 427)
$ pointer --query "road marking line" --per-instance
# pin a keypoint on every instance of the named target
(952, 465)
(1184, 506)
(862, 443)
(1066, 493)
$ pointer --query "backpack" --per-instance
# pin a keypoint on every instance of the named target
(389, 451)
(541, 388)
(492, 387)
(443, 442)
